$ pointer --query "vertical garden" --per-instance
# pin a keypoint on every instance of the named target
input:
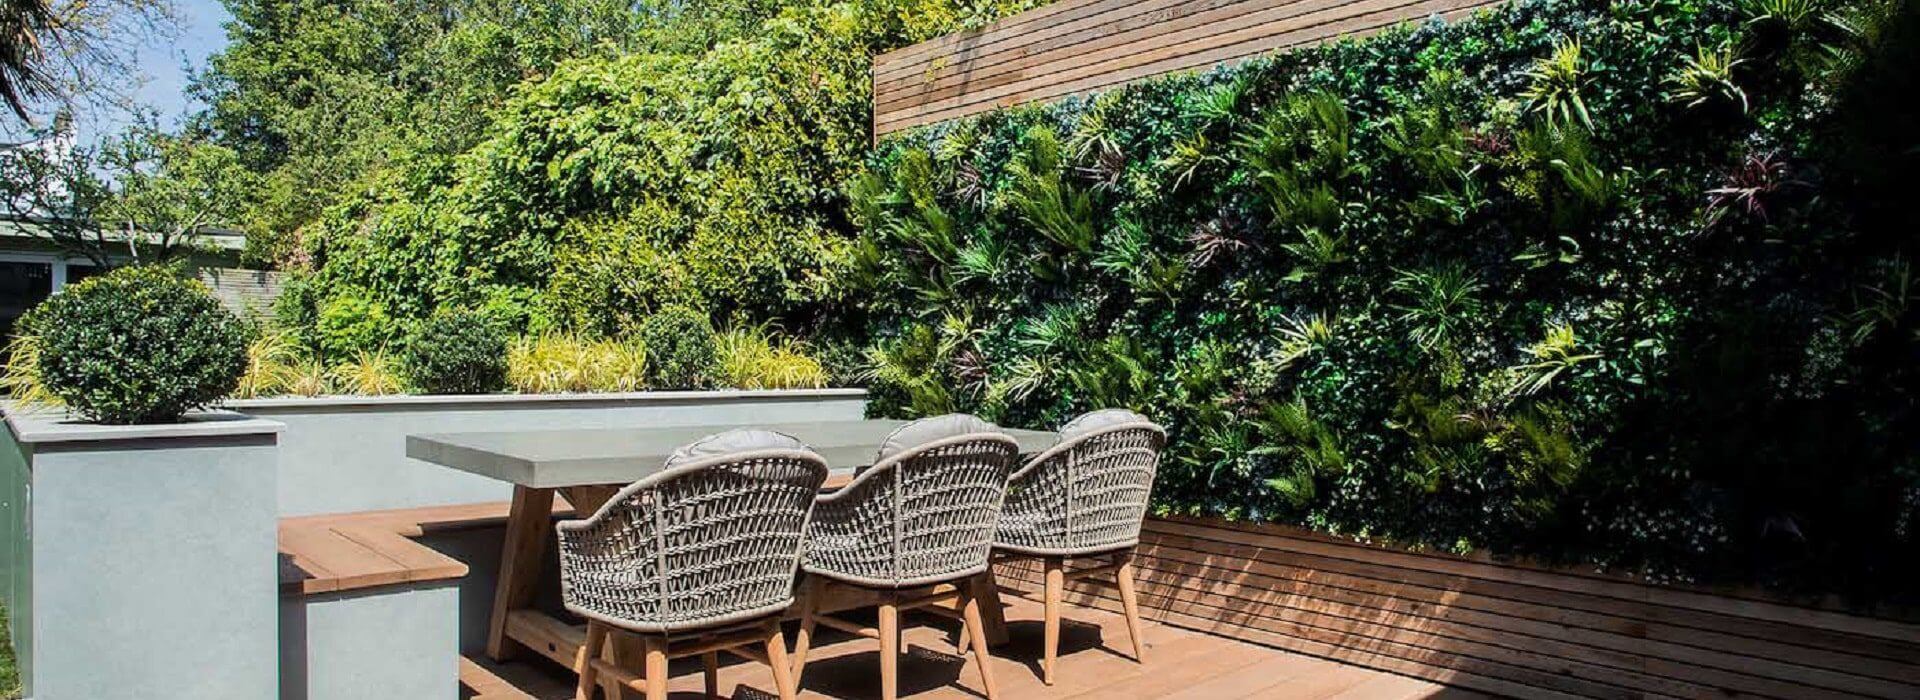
(1618, 283)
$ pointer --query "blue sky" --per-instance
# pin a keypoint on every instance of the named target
(166, 67)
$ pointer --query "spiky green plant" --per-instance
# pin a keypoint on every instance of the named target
(1303, 336)
(986, 259)
(1304, 448)
(913, 364)
(557, 363)
(1886, 302)
(21, 381)
(1296, 154)
(369, 373)
(752, 357)
(1131, 255)
(1436, 303)
(309, 378)
(1556, 82)
(1552, 356)
(1044, 199)
(1706, 78)
(273, 361)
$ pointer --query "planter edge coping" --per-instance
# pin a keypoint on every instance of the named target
(494, 399)
(40, 425)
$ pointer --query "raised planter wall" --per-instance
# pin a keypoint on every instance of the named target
(139, 559)
(346, 454)
(1507, 629)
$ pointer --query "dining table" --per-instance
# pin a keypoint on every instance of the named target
(587, 467)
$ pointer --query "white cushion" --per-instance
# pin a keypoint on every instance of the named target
(927, 430)
(1095, 421)
(732, 442)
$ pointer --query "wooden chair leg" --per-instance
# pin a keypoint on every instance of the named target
(1056, 590)
(987, 590)
(656, 678)
(889, 652)
(711, 662)
(974, 630)
(582, 660)
(809, 599)
(783, 677)
(1130, 603)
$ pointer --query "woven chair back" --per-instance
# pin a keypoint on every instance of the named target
(699, 545)
(1086, 495)
(923, 516)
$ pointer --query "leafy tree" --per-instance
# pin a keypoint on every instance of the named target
(142, 195)
(69, 56)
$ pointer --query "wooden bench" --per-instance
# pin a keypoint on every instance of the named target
(366, 609)
(351, 551)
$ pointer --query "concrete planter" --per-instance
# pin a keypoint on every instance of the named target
(138, 559)
(345, 454)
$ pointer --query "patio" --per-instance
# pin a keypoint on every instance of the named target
(1180, 664)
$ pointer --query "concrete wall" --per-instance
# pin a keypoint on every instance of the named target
(347, 454)
(150, 558)
(16, 552)
(387, 642)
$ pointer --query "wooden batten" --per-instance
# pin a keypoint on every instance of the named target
(1496, 627)
(1077, 46)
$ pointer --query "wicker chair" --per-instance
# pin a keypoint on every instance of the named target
(922, 516)
(1084, 498)
(696, 559)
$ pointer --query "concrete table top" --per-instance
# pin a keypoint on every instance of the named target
(560, 458)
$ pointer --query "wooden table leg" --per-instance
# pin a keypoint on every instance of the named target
(529, 526)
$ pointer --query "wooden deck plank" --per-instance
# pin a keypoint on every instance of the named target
(1093, 665)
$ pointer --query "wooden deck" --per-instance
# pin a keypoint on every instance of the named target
(1180, 664)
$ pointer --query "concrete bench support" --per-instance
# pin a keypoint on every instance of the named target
(398, 641)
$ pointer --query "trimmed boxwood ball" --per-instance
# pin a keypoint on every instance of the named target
(680, 348)
(456, 352)
(138, 345)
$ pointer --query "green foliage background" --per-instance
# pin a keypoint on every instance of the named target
(1624, 283)
(573, 166)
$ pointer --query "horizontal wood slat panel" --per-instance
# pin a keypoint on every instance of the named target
(1077, 46)
(1496, 627)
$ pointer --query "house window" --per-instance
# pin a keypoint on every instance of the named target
(26, 279)
(23, 283)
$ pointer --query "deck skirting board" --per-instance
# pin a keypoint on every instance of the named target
(1498, 627)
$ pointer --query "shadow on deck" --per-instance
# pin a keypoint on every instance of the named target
(1093, 664)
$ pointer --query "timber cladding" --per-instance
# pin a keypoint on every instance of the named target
(1076, 46)
(1498, 628)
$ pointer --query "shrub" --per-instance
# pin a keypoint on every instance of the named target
(563, 363)
(138, 345)
(349, 324)
(456, 352)
(751, 358)
(680, 349)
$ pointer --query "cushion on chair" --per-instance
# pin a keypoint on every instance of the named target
(1095, 421)
(731, 442)
(927, 430)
